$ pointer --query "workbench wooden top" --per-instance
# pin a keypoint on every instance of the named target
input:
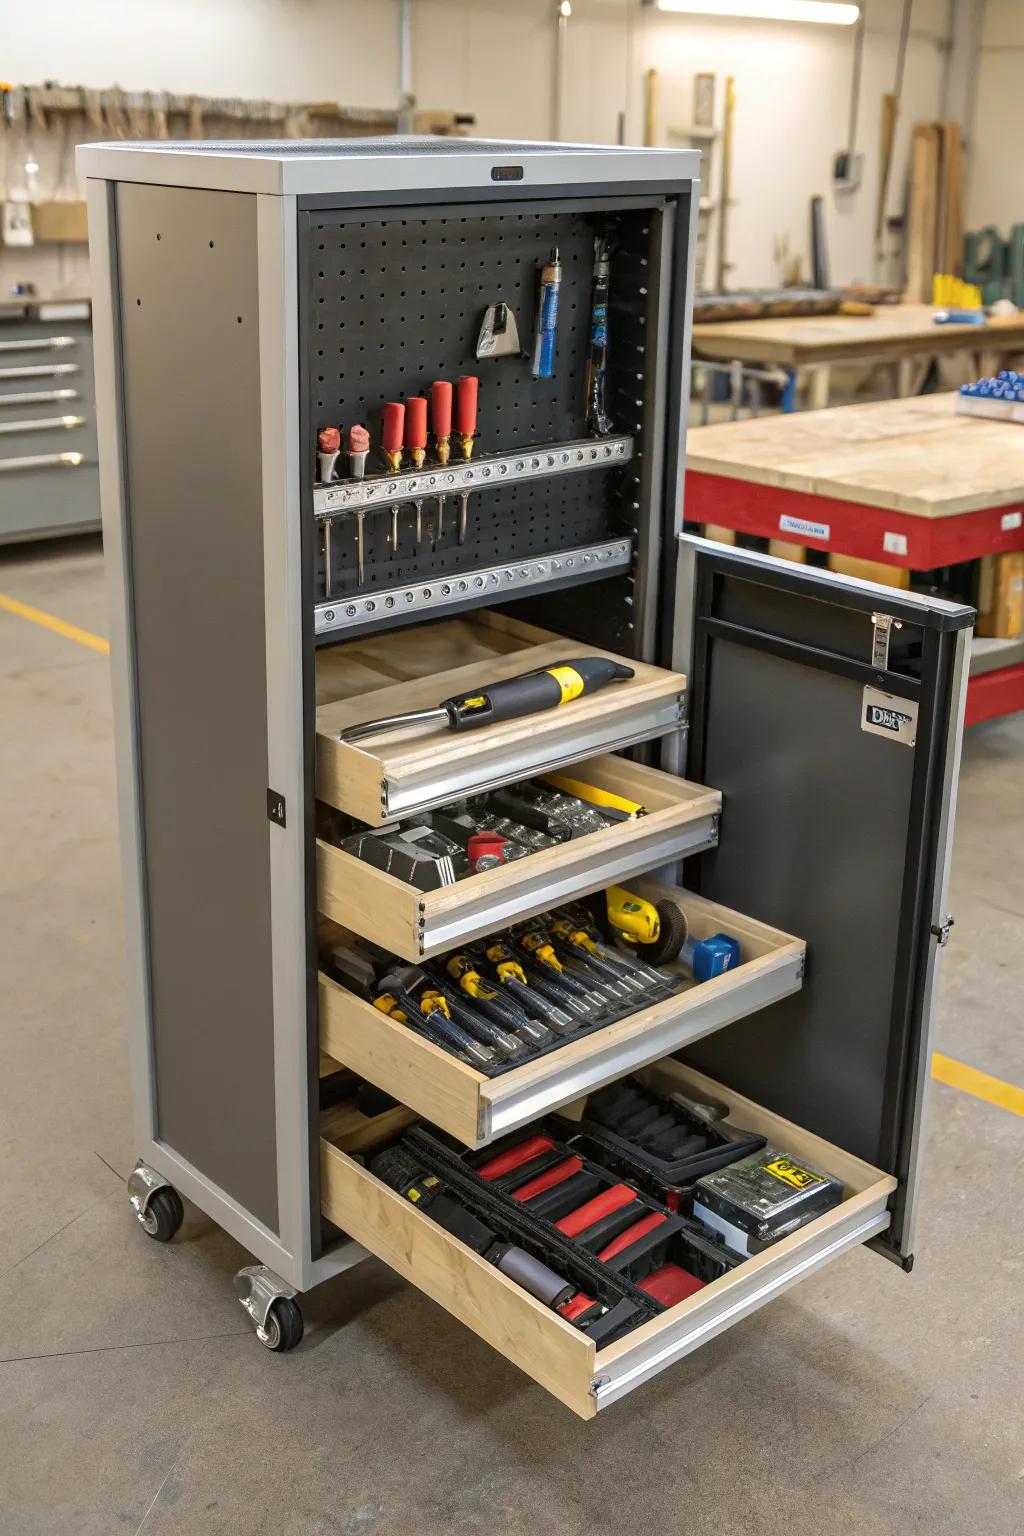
(891, 330)
(914, 456)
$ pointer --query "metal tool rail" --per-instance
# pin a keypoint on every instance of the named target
(487, 470)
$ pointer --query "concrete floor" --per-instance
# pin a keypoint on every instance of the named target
(134, 1397)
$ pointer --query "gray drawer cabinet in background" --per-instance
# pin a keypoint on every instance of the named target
(49, 482)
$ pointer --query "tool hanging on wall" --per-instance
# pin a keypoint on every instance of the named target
(529, 694)
(598, 421)
(466, 395)
(441, 421)
(358, 448)
(416, 445)
(328, 443)
(392, 436)
(543, 365)
(499, 333)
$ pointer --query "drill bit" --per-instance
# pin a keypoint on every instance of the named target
(463, 512)
(419, 522)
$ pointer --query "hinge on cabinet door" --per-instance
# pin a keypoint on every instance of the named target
(275, 808)
(941, 930)
(883, 623)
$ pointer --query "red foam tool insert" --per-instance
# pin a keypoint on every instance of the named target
(548, 1179)
(670, 1284)
(394, 427)
(604, 1204)
(465, 404)
(416, 422)
(515, 1157)
(441, 407)
(633, 1234)
(575, 1306)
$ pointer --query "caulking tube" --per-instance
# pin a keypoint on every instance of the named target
(547, 318)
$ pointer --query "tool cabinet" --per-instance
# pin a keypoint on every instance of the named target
(794, 735)
(48, 478)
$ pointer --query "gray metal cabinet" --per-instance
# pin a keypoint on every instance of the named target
(49, 479)
(249, 295)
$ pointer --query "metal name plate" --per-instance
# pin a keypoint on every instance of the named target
(885, 714)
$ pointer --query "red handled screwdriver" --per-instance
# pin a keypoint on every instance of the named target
(392, 434)
(466, 395)
(416, 444)
(441, 421)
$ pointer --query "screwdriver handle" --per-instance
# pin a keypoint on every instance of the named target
(441, 407)
(533, 692)
(466, 393)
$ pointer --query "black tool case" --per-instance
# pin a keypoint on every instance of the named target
(793, 735)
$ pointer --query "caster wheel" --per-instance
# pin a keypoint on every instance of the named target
(283, 1328)
(670, 940)
(163, 1215)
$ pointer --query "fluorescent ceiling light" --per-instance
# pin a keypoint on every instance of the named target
(768, 10)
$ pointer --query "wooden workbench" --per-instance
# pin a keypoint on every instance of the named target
(906, 482)
(902, 333)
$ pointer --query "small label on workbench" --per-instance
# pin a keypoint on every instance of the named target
(886, 714)
(809, 530)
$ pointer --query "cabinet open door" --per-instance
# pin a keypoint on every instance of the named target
(829, 712)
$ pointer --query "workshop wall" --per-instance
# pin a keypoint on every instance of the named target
(995, 192)
(497, 61)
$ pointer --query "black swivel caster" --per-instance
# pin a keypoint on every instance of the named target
(272, 1306)
(163, 1215)
(283, 1327)
(157, 1206)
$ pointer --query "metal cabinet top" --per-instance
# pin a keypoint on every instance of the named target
(315, 167)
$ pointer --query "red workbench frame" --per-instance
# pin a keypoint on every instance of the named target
(870, 533)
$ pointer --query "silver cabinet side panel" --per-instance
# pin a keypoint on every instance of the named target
(190, 358)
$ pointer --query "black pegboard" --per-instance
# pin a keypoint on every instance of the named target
(393, 303)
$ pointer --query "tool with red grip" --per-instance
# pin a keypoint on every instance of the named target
(328, 444)
(556, 1175)
(416, 429)
(393, 433)
(441, 418)
(632, 1235)
(466, 394)
(602, 1205)
(515, 1157)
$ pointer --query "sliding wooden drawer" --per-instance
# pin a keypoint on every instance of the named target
(383, 777)
(536, 1339)
(476, 1108)
(681, 819)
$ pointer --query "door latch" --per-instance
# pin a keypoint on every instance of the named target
(883, 623)
(941, 930)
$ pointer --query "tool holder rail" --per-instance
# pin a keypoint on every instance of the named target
(480, 473)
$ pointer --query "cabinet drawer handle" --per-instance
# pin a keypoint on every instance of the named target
(45, 461)
(54, 343)
(40, 397)
(41, 371)
(42, 424)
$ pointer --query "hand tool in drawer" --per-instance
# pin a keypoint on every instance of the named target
(755, 1202)
(515, 697)
(526, 838)
(578, 944)
(656, 930)
(561, 816)
(532, 945)
(625, 1126)
(586, 934)
(433, 992)
(399, 1170)
(328, 443)
(610, 987)
(429, 1019)
(490, 850)
(462, 971)
(507, 970)
(418, 855)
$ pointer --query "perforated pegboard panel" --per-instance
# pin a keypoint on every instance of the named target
(393, 303)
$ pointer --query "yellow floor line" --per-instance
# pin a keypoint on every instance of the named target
(969, 1080)
(944, 1069)
(59, 627)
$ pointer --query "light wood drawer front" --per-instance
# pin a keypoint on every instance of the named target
(476, 1108)
(384, 777)
(416, 924)
(536, 1339)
